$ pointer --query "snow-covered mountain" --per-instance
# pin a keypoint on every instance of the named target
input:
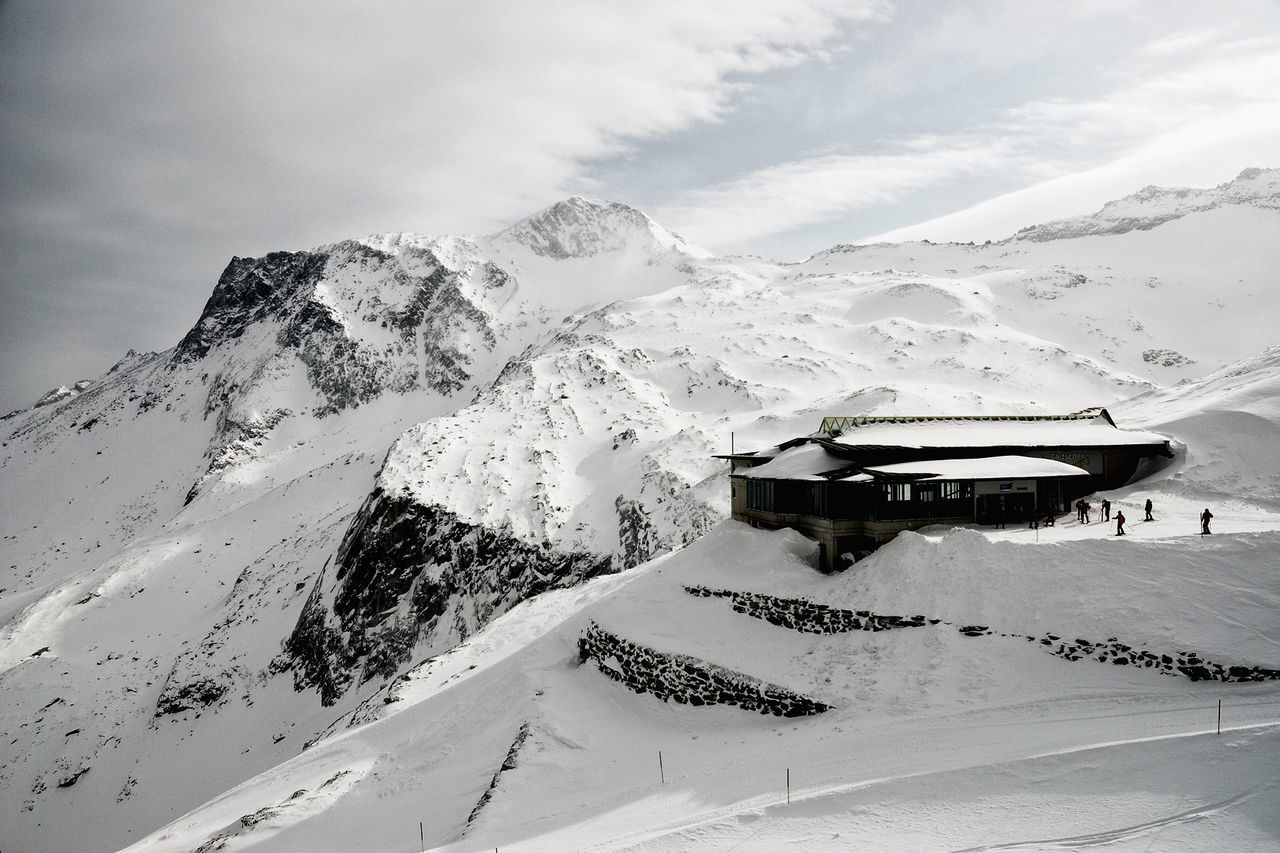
(1152, 206)
(317, 507)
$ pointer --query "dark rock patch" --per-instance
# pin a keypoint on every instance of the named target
(193, 695)
(68, 781)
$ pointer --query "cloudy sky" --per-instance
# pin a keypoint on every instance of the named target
(143, 144)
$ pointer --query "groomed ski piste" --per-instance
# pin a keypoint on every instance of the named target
(969, 727)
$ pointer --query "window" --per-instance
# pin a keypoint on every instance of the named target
(760, 495)
(816, 504)
(850, 500)
(897, 491)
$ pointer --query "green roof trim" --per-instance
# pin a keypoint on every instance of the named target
(835, 425)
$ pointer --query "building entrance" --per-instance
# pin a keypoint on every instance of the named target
(1009, 508)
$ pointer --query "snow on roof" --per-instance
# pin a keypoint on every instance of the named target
(986, 468)
(1090, 432)
(812, 461)
(805, 462)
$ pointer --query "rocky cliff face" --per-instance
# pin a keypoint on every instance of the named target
(363, 321)
(410, 581)
(333, 329)
(249, 291)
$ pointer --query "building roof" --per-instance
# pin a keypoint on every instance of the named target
(1094, 431)
(985, 468)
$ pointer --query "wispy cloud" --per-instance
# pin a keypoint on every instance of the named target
(1166, 107)
(792, 195)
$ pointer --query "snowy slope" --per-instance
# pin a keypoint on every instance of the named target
(938, 738)
(402, 437)
(1230, 422)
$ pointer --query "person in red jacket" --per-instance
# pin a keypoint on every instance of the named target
(1120, 523)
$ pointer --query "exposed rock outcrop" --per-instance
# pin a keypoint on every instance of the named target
(249, 291)
(411, 577)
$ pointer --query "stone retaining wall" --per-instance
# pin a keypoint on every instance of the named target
(687, 680)
(807, 616)
(810, 617)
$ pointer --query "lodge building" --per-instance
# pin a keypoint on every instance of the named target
(859, 481)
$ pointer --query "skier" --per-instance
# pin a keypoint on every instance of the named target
(1120, 523)
(1088, 507)
(1106, 510)
(1148, 518)
(1205, 518)
(1080, 510)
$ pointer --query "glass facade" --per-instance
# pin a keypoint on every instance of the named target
(838, 500)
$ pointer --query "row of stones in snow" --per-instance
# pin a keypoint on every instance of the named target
(807, 616)
(508, 763)
(688, 680)
(810, 617)
(1190, 664)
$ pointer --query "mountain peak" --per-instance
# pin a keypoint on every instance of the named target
(62, 392)
(579, 227)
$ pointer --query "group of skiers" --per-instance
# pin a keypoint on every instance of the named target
(1084, 508)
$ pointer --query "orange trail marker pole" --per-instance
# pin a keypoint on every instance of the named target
(662, 774)
(1219, 716)
(788, 786)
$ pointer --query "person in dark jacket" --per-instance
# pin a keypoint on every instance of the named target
(1205, 518)
(1148, 508)
(1106, 510)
